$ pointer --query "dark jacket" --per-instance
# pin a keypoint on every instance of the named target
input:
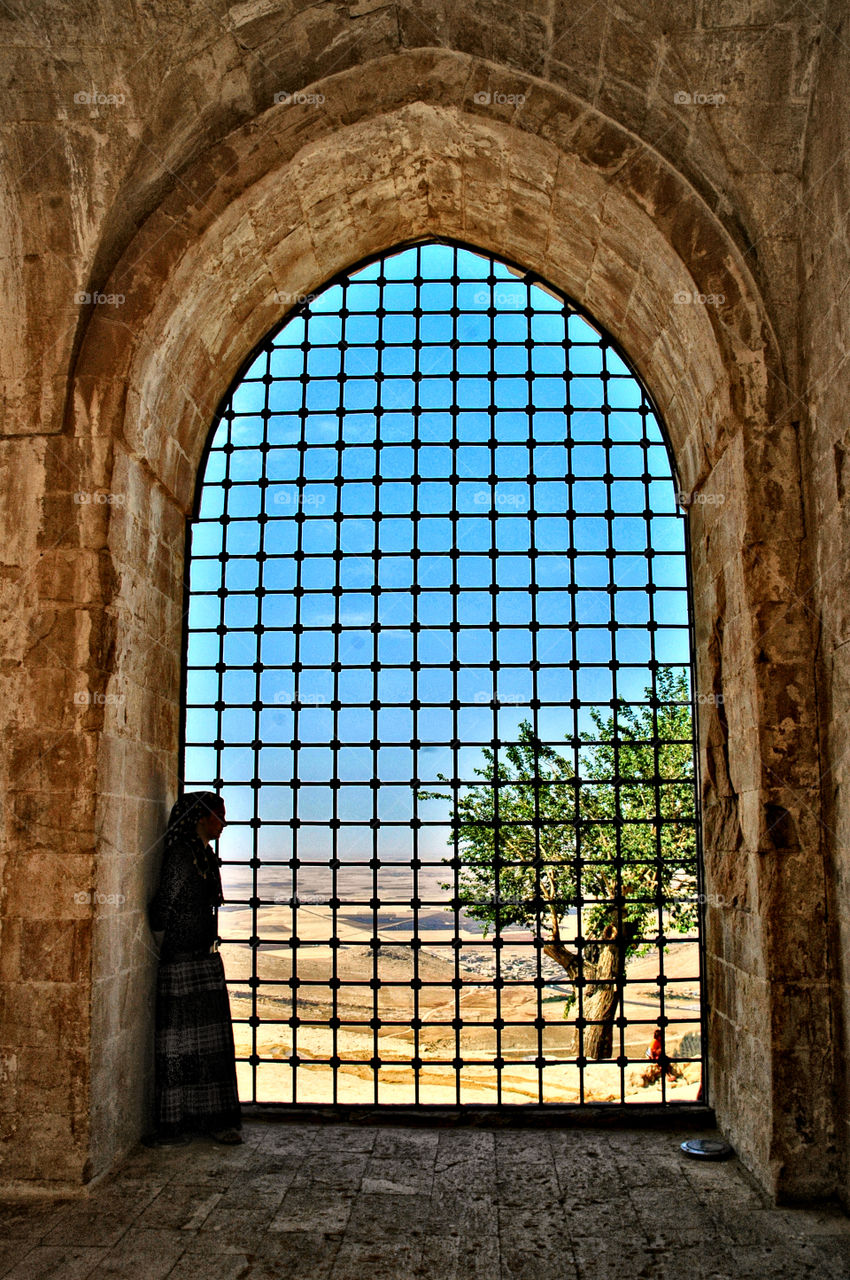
(185, 905)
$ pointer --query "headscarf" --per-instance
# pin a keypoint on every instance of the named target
(182, 830)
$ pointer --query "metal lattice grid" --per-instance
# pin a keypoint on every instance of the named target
(439, 665)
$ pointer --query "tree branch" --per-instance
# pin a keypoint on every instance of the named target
(568, 960)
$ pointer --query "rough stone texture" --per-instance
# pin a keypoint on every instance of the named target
(678, 167)
(335, 1202)
(822, 405)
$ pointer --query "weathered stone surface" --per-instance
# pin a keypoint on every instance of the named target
(571, 1203)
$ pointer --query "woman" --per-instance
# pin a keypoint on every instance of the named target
(195, 1058)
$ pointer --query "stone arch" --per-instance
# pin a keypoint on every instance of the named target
(276, 210)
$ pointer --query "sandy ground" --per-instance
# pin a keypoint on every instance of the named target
(436, 1004)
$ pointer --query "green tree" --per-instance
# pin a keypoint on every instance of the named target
(535, 840)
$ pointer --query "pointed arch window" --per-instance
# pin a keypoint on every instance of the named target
(438, 661)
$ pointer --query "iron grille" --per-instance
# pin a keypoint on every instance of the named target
(439, 665)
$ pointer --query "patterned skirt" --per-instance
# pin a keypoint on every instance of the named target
(194, 1054)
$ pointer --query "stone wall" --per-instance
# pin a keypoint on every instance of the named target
(650, 163)
(823, 399)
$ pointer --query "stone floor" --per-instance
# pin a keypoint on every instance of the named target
(385, 1202)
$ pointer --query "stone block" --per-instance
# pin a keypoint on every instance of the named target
(55, 950)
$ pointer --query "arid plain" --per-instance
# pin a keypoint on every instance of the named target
(435, 1022)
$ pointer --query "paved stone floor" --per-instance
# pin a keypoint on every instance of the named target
(349, 1202)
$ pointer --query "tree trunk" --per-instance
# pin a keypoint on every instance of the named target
(601, 997)
(601, 992)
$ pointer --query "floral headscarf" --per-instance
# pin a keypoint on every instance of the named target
(182, 824)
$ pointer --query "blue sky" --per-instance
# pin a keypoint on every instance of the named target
(373, 404)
